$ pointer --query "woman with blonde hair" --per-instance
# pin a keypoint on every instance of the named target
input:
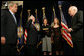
(56, 33)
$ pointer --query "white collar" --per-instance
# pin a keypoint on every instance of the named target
(11, 12)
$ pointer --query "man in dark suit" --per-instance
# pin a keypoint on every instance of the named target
(76, 29)
(32, 37)
(9, 30)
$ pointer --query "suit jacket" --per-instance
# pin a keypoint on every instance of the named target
(8, 27)
(77, 26)
(32, 33)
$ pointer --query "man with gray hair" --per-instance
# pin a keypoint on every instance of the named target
(9, 30)
(76, 29)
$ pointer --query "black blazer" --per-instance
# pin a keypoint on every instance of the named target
(8, 27)
(32, 33)
(77, 26)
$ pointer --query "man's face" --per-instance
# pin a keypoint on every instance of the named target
(14, 8)
(71, 12)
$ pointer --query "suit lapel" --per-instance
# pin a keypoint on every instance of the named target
(11, 16)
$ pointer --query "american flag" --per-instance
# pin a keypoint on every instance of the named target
(66, 35)
(25, 36)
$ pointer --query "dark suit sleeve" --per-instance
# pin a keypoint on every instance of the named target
(3, 16)
(28, 24)
(79, 24)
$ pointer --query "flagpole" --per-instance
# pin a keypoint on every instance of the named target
(60, 10)
(37, 25)
(43, 12)
(54, 12)
(21, 16)
(36, 13)
(28, 12)
(20, 32)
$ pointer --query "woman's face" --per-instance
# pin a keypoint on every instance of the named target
(55, 20)
(45, 21)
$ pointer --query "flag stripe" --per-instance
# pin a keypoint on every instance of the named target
(26, 33)
(25, 39)
(64, 25)
(67, 37)
(70, 43)
(25, 36)
(67, 34)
